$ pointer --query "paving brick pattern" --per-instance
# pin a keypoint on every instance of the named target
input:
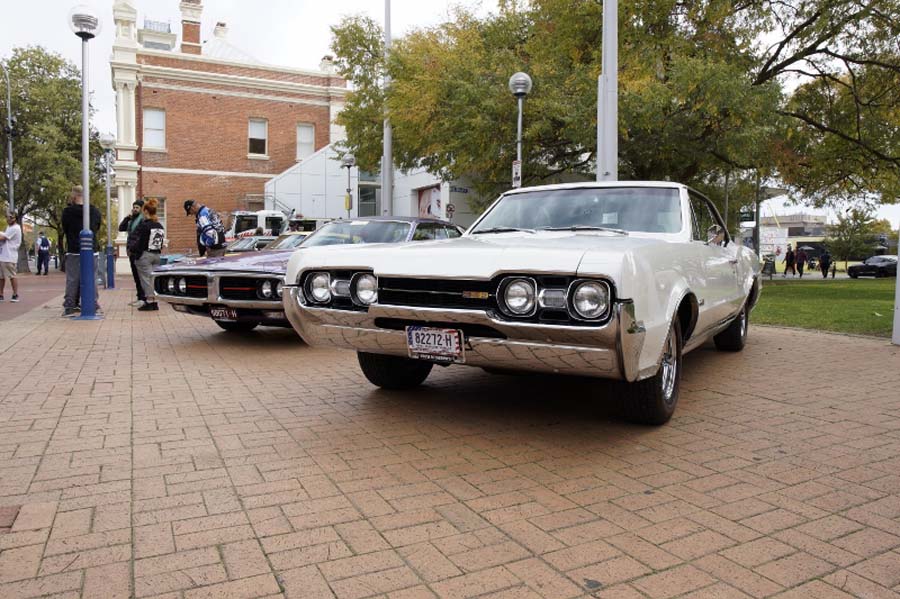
(154, 456)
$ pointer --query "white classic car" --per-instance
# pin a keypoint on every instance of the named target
(615, 280)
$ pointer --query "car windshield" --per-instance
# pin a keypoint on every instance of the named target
(359, 231)
(286, 242)
(244, 243)
(642, 209)
(244, 222)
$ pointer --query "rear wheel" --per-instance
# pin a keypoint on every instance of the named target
(237, 327)
(393, 372)
(735, 336)
(653, 400)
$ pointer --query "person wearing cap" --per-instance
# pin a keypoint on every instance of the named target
(42, 251)
(129, 225)
(210, 232)
(71, 226)
(10, 240)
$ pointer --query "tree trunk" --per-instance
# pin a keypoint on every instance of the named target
(22, 266)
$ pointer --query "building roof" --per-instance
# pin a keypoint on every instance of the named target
(219, 47)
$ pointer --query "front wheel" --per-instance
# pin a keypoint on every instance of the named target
(393, 372)
(237, 327)
(735, 336)
(652, 401)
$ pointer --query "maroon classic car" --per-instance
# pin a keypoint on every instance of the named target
(243, 291)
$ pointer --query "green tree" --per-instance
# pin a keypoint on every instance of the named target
(700, 96)
(46, 102)
(851, 236)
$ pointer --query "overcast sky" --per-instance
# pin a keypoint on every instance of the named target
(293, 33)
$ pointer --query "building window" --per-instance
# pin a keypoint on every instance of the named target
(258, 134)
(306, 140)
(155, 128)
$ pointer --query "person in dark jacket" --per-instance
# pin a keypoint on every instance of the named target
(128, 225)
(145, 245)
(71, 226)
(789, 258)
(825, 264)
(801, 261)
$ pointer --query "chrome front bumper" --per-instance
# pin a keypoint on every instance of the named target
(608, 351)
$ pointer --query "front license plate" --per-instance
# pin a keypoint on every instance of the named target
(436, 345)
(223, 313)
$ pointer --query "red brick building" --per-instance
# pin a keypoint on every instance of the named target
(204, 120)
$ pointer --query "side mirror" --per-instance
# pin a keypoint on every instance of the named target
(715, 235)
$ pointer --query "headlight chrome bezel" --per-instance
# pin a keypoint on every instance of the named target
(279, 289)
(182, 286)
(266, 290)
(503, 301)
(577, 285)
(308, 289)
(355, 291)
(170, 284)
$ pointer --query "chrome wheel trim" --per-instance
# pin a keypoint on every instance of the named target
(743, 318)
(669, 367)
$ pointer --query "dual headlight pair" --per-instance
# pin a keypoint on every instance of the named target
(362, 288)
(588, 299)
(269, 289)
(172, 284)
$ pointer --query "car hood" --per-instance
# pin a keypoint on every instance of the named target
(274, 261)
(484, 256)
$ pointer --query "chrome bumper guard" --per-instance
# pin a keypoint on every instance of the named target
(608, 351)
(213, 297)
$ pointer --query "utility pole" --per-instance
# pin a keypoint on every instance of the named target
(608, 96)
(387, 157)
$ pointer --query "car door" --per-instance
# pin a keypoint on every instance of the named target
(719, 296)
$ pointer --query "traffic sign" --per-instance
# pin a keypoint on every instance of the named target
(517, 174)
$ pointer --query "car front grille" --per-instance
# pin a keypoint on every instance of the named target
(437, 293)
(196, 286)
(244, 288)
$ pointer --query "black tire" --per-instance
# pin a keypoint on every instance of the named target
(735, 336)
(237, 327)
(652, 401)
(853, 276)
(393, 372)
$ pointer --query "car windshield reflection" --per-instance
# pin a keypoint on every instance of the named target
(359, 231)
(645, 210)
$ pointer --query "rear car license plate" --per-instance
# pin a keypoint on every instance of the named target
(436, 345)
(223, 313)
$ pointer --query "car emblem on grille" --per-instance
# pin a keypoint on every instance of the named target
(476, 294)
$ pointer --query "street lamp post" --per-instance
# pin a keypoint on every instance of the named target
(86, 25)
(520, 86)
(608, 96)
(9, 150)
(348, 162)
(108, 143)
(387, 158)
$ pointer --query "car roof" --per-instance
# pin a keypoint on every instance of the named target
(599, 184)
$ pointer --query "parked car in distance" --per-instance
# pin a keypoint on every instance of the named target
(613, 280)
(875, 266)
(242, 291)
(249, 244)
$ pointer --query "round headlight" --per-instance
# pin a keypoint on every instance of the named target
(519, 297)
(279, 288)
(591, 299)
(266, 289)
(366, 289)
(320, 287)
(182, 285)
(170, 284)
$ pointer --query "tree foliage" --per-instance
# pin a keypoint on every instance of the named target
(699, 94)
(853, 234)
(46, 103)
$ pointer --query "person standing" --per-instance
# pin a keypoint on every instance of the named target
(789, 261)
(42, 250)
(128, 225)
(145, 245)
(10, 240)
(210, 232)
(801, 261)
(71, 225)
(825, 264)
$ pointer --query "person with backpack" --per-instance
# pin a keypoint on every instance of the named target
(145, 245)
(42, 245)
(129, 225)
(210, 230)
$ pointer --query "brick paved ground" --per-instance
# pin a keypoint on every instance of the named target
(152, 455)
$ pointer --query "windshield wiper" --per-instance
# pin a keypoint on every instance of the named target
(586, 228)
(502, 230)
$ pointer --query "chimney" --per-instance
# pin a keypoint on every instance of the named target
(190, 26)
(221, 30)
(327, 65)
